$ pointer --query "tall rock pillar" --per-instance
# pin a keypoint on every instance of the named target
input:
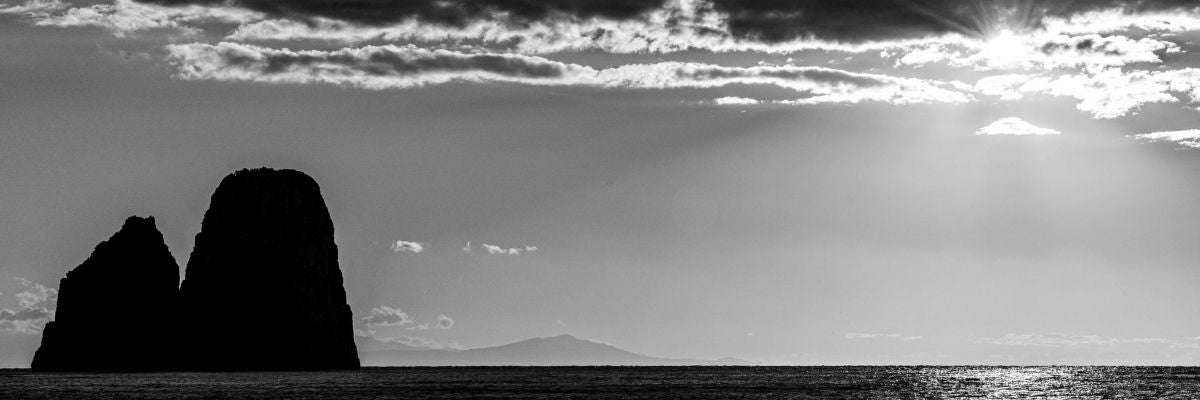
(263, 290)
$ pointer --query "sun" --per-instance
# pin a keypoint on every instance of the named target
(1005, 49)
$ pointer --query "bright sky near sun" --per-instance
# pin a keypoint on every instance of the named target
(809, 182)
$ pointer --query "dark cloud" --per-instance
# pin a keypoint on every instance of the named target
(761, 20)
(863, 20)
(450, 12)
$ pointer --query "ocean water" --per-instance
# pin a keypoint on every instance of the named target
(625, 383)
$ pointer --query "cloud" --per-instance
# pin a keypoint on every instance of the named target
(1014, 126)
(37, 308)
(1187, 138)
(512, 251)
(865, 20)
(399, 67)
(26, 321)
(444, 322)
(1068, 340)
(1036, 51)
(735, 101)
(371, 67)
(33, 8)
(1105, 94)
(467, 248)
(387, 316)
(124, 17)
(447, 12)
(35, 294)
(401, 246)
(730, 20)
(622, 26)
(1068, 49)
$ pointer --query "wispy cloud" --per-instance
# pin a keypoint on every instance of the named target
(510, 251)
(399, 67)
(735, 101)
(1037, 51)
(125, 17)
(1013, 126)
(401, 246)
(1188, 138)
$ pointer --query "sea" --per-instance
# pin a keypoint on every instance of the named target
(932, 382)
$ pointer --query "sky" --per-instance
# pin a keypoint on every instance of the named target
(799, 183)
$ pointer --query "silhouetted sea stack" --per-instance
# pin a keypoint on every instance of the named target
(263, 290)
(116, 310)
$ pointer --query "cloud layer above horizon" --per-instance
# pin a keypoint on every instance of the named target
(1111, 57)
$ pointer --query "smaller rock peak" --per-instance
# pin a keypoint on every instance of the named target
(136, 222)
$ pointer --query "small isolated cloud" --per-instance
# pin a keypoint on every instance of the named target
(387, 316)
(1187, 138)
(444, 322)
(510, 251)
(858, 335)
(421, 327)
(467, 248)
(735, 101)
(401, 246)
(37, 308)
(1013, 126)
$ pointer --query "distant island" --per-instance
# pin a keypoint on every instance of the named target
(264, 260)
(559, 350)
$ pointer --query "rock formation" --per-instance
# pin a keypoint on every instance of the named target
(263, 290)
(116, 311)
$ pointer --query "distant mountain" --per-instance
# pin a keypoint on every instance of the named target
(550, 351)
